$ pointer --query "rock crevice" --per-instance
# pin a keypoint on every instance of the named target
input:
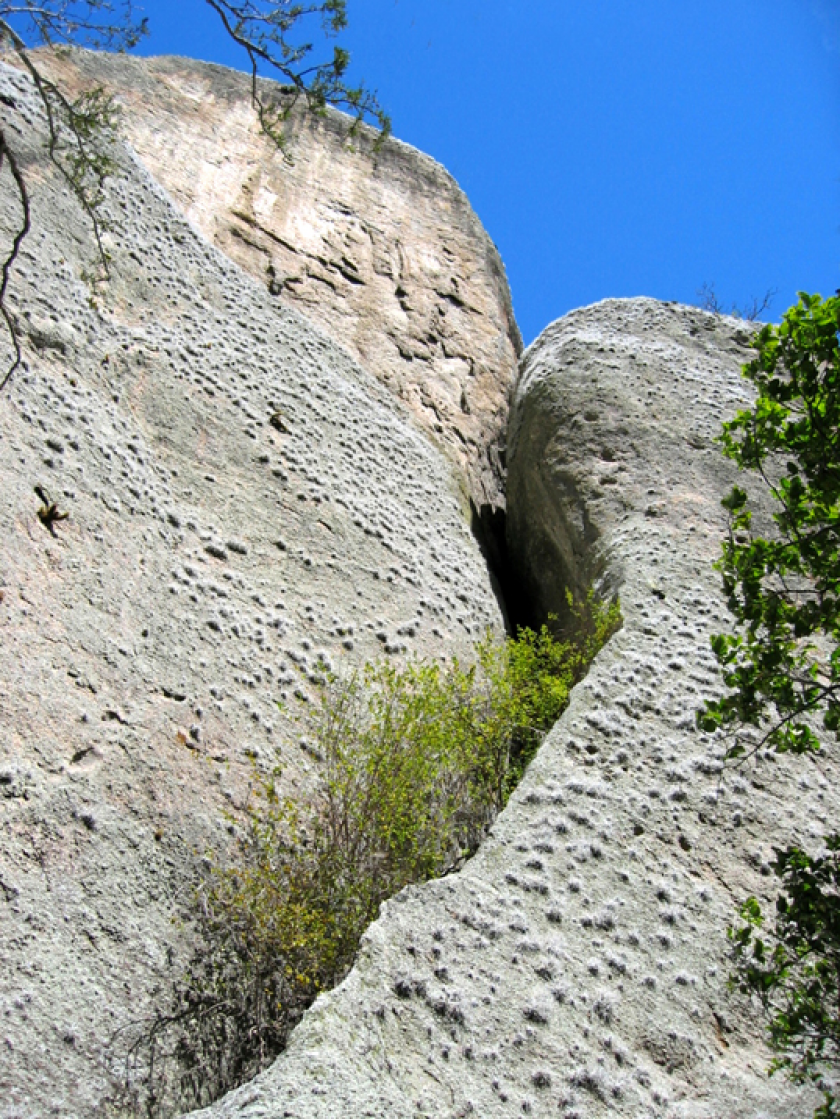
(578, 965)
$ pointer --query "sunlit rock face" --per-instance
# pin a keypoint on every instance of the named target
(577, 966)
(380, 249)
(247, 498)
(244, 501)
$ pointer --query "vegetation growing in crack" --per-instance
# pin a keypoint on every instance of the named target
(416, 762)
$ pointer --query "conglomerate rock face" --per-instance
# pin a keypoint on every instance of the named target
(577, 966)
(244, 500)
(380, 249)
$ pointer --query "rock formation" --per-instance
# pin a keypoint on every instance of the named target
(380, 249)
(244, 499)
(577, 965)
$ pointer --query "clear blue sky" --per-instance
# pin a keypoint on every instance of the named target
(611, 147)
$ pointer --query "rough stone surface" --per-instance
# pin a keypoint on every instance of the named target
(242, 497)
(381, 249)
(577, 966)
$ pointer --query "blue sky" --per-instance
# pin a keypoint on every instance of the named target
(611, 147)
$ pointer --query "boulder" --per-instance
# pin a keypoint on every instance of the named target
(378, 247)
(244, 502)
(577, 966)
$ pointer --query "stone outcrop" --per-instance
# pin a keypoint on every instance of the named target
(379, 248)
(244, 500)
(577, 966)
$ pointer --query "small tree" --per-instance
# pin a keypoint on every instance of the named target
(270, 32)
(751, 311)
(782, 666)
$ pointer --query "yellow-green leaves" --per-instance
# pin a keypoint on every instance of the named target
(416, 761)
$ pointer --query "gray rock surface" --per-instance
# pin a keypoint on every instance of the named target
(380, 249)
(209, 558)
(577, 965)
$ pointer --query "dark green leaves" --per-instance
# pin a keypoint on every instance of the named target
(794, 969)
(783, 583)
(781, 667)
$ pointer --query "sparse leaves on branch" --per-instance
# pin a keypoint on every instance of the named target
(78, 129)
(791, 962)
(274, 37)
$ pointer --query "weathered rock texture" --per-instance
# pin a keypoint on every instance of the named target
(380, 249)
(243, 498)
(577, 966)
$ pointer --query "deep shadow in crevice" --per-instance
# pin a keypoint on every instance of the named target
(489, 527)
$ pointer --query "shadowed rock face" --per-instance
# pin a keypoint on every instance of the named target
(577, 965)
(380, 249)
(243, 500)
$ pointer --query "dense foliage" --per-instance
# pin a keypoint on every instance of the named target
(415, 763)
(783, 581)
(782, 667)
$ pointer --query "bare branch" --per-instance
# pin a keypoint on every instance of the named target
(750, 312)
(8, 156)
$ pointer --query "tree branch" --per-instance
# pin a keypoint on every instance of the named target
(8, 156)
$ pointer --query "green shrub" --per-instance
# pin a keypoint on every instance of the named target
(417, 761)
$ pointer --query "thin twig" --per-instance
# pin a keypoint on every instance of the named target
(7, 155)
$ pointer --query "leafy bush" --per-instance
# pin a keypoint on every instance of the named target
(417, 761)
(794, 968)
(781, 665)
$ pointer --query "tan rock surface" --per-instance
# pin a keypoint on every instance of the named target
(380, 249)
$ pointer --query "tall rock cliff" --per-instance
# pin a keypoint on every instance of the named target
(244, 500)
